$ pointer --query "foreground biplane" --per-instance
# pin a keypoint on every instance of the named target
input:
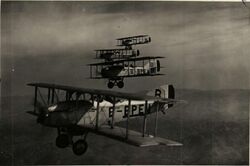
(75, 112)
(116, 71)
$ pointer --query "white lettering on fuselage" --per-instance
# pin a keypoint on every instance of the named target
(148, 68)
(136, 110)
(137, 107)
(121, 111)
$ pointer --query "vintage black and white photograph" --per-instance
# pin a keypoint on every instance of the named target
(125, 83)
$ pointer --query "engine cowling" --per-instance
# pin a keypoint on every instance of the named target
(64, 114)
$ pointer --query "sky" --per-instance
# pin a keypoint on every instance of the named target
(206, 45)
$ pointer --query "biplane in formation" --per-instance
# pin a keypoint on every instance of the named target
(128, 42)
(115, 54)
(75, 112)
(116, 71)
(123, 53)
(121, 63)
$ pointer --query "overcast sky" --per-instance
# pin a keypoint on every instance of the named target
(206, 45)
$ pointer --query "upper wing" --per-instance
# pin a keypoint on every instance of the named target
(123, 95)
(125, 76)
(134, 137)
(126, 60)
(131, 37)
(111, 49)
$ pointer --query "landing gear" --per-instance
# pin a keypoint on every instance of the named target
(111, 84)
(65, 139)
(62, 141)
(80, 147)
(118, 83)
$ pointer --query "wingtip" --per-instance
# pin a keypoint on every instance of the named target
(30, 84)
(184, 101)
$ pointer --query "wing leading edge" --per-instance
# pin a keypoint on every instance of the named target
(131, 37)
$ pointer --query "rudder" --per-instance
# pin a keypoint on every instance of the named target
(164, 91)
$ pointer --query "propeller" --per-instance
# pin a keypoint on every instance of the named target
(111, 99)
(40, 111)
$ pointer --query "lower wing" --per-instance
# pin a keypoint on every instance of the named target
(133, 138)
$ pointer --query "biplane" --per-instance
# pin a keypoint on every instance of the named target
(75, 112)
(124, 53)
(116, 71)
(128, 42)
(114, 54)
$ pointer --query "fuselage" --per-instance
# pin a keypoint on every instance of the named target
(149, 68)
(83, 112)
(120, 114)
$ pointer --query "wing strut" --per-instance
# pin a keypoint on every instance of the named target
(128, 115)
(57, 98)
(128, 69)
(41, 97)
(134, 67)
(97, 114)
(53, 95)
(48, 96)
(90, 71)
(143, 66)
(66, 95)
(113, 114)
(156, 119)
(145, 118)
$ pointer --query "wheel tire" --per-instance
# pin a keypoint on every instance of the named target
(62, 141)
(80, 147)
(110, 85)
(120, 84)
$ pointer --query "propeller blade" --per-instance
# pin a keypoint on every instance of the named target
(32, 113)
(41, 111)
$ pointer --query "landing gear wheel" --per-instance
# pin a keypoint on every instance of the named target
(62, 141)
(120, 84)
(110, 84)
(80, 147)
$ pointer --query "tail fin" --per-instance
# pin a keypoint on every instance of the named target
(153, 64)
(164, 91)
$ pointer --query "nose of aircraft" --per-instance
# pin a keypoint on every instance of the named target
(42, 115)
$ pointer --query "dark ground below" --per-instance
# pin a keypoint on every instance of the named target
(213, 127)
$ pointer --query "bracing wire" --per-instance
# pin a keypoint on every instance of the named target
(248, 7)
